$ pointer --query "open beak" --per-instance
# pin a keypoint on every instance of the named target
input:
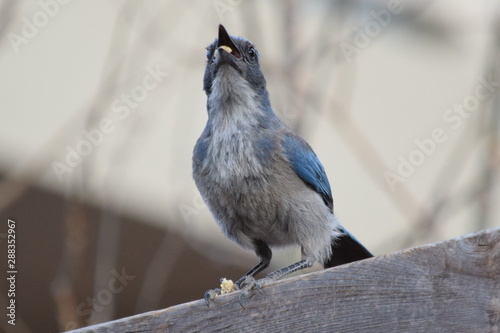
(225, 43)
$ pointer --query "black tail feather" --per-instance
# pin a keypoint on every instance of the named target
(346, 249)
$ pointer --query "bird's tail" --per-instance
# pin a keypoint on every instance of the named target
(345, 249)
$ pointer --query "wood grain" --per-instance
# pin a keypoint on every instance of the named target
(451, 286)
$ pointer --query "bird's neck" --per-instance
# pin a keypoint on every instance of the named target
(233, 99)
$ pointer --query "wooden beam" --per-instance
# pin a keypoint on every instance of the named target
(450, 286)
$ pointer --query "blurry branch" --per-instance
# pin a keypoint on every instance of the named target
(121, 52)
(7, 14)
(370, 160)
(491, 124)
(289, 67)
(10, 190)
(354, 137)
(75, 247)
(425, 224)
(16, 181)
(158, 273)
(66, 280)
(441, 194)
(108, 235)
(481, 191)
(130, 54)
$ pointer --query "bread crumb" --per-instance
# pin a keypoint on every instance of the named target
(226, 286)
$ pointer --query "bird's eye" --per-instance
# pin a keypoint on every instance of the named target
(252, 53)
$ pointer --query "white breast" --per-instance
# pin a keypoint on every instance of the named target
(233, 108)
(231, 152)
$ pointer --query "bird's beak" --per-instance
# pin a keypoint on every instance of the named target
(225, 43)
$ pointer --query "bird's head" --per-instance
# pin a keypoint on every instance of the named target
(233, 68)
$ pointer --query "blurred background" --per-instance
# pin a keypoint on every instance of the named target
(101, 103)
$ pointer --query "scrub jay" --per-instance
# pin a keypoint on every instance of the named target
(263, 184)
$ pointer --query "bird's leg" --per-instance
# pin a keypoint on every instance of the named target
(250, 284)
(264, 253)
(273, 276)
(276, 275)
(251, 273)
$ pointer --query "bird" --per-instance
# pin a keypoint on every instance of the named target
(263, 184)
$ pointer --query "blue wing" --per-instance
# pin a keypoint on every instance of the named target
(307, 166)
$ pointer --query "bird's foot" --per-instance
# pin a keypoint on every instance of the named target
(226, 286)
(210, 295)
(249, 283)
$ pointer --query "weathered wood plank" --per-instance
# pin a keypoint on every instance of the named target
(451, 286)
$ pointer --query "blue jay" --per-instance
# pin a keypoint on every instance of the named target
(263, 184)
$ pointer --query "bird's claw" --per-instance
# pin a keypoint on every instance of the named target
(210, 295)
(246, 286)
(240, 299)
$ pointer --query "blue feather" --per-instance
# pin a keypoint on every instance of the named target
(307, 166)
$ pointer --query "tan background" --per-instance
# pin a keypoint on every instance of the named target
(361, 101)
